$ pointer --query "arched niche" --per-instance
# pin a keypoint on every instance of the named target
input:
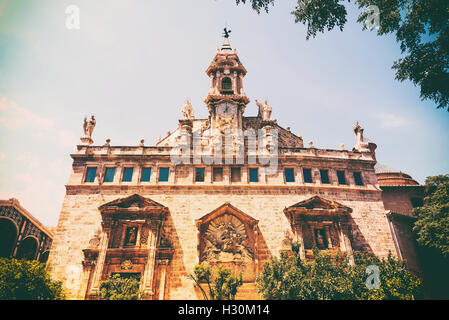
(8, 236)
(228, 237)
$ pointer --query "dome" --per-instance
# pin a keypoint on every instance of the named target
(388, 176)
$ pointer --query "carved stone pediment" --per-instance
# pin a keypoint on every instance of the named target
(318, 206)
(133, 207)
(227, 235)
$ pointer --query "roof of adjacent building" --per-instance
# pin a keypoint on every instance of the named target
(383, 168)
(388, 176)
(16, 205)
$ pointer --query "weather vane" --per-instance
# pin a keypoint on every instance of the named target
(226, 32)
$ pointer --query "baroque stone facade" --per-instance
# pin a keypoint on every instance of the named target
(157, 211)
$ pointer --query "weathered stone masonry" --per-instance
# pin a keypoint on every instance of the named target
(160, 230)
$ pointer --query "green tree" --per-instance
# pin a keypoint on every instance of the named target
(118, 288)
(27, 280)
(432, 225)
(421, 28)
(332, 277)
(222, 284)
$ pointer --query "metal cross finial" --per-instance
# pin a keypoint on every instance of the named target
(226, 32)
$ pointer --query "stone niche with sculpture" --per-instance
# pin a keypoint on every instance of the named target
(229, 237)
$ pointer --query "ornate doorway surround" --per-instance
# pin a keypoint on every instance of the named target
(321, 223)
(130, 242)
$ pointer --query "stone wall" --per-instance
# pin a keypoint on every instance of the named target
(398, 198)
(80, 220)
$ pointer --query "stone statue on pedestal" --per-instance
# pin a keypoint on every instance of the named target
(187, 111)
(264, 110)
(88, 127)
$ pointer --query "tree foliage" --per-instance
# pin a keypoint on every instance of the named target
(332, 277)
(27, 280)
(432, 226)
(118, 288)
(421, 28)
(222, 284)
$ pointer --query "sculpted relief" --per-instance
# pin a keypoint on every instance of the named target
(226, 240)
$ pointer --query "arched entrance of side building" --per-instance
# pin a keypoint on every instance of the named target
(8, 237)
(28, 248)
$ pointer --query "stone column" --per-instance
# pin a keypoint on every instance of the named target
(234, 82)
(217, 81)
(149, 267)
(345, 230)
(163, 264)
(104, 242)
(87, 270)
(212, 86)
(300, 239)
(328, 237)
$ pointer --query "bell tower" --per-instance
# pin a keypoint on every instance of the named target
(226, 100)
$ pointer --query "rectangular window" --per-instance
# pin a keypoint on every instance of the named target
(253, 175)
(199, 174)
(289, 175)
(307, 173)
(217, 174)
(341, 177)
(324, 176)
(109, 175)
(146, 175)
(128, 174)
(163, 174)
(235, 175)
(358, 179)
(90, 174)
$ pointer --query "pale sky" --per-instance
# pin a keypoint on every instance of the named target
(134, 62)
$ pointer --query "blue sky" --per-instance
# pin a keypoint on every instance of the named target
(133, 63)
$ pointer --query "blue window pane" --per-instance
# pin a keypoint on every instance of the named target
(199, 174)
(289, 175)
(307, 173)
(324, 176)
(253, 175)
(341, 177)
(163, 174)
(358, 179)
(128, 174)
(146, 175)
(90, 175)
(109, 175)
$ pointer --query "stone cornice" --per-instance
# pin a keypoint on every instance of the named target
(284, 154)
(158, 188)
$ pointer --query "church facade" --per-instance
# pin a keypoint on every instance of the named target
(230, 190)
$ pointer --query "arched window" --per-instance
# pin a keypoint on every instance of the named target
(226, 85)
(27, 249)
(8, 236)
